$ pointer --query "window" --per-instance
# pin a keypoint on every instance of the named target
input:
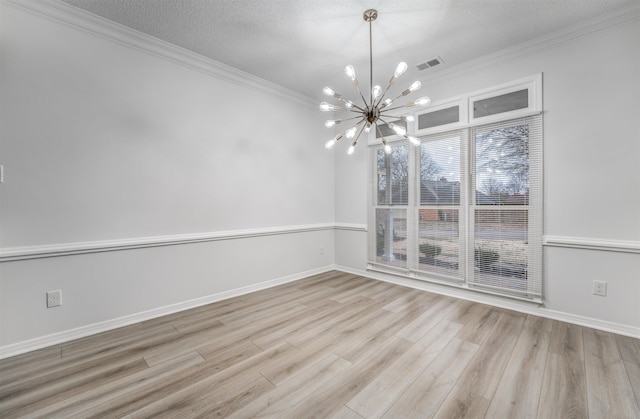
(464, 208)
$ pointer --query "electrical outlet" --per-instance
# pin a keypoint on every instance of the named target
(600, 288)
(54, 298)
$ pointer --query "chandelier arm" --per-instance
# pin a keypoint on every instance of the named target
(358, 108)
(381, 135)
(386, 115)
(394, 109)
(349, 119)
(357, 124)
(385, 122)
(362, 96)
(355, 140)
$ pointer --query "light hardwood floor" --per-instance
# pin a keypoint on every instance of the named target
(333, 345)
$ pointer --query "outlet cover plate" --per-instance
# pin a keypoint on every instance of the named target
(54, 298)
(600, 288)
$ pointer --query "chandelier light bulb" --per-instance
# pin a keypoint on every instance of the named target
(348, 104)
(351, 149)
(350, 72)
(329, 144)
(413, 140)
(328, 91)
(376, 91)
(415, 86)
(400, 69)
(387, 149)
(409, 118)
(327, 107)
(351, 132)
(329, 123)
(423, 101)
(398, 129)
(367, 127)
(387, 102)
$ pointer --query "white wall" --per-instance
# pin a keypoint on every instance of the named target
(102, 140)
(591, 166)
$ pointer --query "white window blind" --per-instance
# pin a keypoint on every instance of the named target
(505, 234)
(441, 201)
(391, 203)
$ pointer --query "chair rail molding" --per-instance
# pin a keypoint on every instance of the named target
(66, 249)
(625, 246)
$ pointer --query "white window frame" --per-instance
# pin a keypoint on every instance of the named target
(533, 85)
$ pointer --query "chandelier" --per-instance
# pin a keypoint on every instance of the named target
(377, 110)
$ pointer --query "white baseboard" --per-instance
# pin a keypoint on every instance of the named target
(509, 304)
(84, 331)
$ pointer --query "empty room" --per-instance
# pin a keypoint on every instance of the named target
(320, 209)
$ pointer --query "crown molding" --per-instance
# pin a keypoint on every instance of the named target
(553, 39)
(82, 20)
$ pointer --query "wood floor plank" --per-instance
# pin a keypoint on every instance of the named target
(20, 366)
(609, 391)
(478, 328)
(345, 385)
(373, 334)
(329, 341)
(539, 322)
(31, 396)
(566, 340)
(352, 311)
(89, 403)
(408, 300)
(629, 348)
(423, 397)
(293, 390)
(633, 371)
(360, 290)
(481, 377)
(160, 395)
(210, 407)
(346, 413)
(564, 389)
(231, 354)
(381, 393)
(518, 393)
(465, 311)
(417, 328)
(207, 397)
(304, 321)
(463, 405)
(182, 343)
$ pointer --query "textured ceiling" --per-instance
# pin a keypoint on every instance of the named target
(305, 44)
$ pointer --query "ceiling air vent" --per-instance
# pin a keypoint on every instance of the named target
(430, 63)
